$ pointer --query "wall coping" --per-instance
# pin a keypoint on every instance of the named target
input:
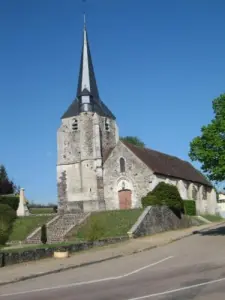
(39, 215)
(78, 224)
(39, 228)
(139, 221)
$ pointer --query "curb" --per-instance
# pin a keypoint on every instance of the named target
(20, 279)
(58, 270)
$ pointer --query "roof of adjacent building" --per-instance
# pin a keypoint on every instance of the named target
(167, 165)
(87, 85)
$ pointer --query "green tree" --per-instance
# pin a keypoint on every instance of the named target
(133, 140)
(7, 186)
(3, 173)
(209, 147)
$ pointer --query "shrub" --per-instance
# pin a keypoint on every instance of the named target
(167, 194)
(189, 207)
(7, 213)
(150, 200)
(11, 200)
(43, 234)
(7, 217)
(95, 231)
(4, 231)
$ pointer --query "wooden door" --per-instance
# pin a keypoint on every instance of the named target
(125, 199)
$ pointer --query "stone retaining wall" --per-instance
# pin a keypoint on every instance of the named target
(155, 219)
(15, 257)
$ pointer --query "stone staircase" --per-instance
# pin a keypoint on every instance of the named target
(58, 228)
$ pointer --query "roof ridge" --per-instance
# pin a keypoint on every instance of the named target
(168, 165)
(150, 149)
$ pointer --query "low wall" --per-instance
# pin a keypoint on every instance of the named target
(15, 257)
(44, 214)
(155, 219)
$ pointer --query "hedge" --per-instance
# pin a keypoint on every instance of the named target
(11, 200)
(189, 207)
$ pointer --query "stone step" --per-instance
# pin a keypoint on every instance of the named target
(57, 230)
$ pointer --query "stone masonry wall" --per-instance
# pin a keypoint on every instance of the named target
(157, 219)
(79, 165)
(109, 138)
(11, 258)
(68, 143)
(204, 197)
(137, 177)
(62, 192)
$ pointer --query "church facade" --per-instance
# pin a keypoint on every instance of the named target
(97, 171)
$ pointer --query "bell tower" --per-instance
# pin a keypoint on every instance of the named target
(88, 131)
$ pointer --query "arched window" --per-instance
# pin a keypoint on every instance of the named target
(75, 125)
(122, 165)
(194, 192)
(204, 193)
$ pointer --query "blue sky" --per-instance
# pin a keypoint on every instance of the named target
(159, 65)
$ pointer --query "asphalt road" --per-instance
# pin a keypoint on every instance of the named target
(192, 268)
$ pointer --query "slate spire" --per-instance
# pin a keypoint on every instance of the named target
(87, 85)
(87, 98)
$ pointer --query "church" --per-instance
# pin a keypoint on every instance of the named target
(97, 171)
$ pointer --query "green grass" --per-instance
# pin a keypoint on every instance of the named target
(213, 218)
(23, 226)
(42, 210)
(109, 223)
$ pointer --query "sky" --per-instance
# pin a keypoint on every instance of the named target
(159, 64)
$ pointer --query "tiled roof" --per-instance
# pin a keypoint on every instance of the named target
(167, 165)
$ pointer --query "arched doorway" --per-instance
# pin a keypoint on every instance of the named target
(125, 200)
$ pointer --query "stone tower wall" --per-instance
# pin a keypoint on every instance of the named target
(79, 167)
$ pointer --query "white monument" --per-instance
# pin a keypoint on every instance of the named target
(22, 210)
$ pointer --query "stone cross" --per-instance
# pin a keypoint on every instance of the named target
(22, 210)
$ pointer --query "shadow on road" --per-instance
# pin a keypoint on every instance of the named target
(215, 231)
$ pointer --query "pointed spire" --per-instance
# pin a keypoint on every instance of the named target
(87, 87)
(87, 98)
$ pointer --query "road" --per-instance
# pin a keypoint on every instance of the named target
(192, 268)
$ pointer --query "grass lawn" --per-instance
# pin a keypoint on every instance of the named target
(110, 223)
(23, 226)
(213, 218)
(42, 210)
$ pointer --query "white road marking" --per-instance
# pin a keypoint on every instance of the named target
(88, 282)
(178, 290)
